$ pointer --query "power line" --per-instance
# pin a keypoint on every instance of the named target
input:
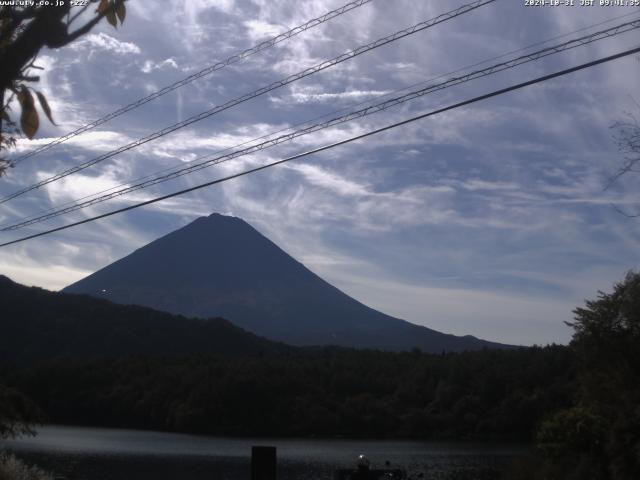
(336, 144)
(375, 108)
(261, 91)
(205, 71)
(76, 201)
(623, 28)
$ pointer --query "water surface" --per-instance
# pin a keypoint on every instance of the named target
(113, 454)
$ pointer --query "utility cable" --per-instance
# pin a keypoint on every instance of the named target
(261, 91)
(326, 115)
(205, 71)
(375, 108)
(495, 93)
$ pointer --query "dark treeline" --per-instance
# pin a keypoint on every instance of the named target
(322, 392)
(71, 356)
(38, 325)
(89, 361)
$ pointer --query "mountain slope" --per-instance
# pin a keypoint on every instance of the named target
(220, 266)
(36, 324)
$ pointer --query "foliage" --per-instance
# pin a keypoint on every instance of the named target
(17, 413)
(326, 391)
(24, 30)
(598, 437)
(12, 468)
(38, 325)
(627, 136)
(73, 355)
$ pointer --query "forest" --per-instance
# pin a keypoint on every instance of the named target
(317, 392)
(578, 405)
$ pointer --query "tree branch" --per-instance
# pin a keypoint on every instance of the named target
(622, 212)
(47, 28)
(90, 24)
(84, 29)
(80, 12)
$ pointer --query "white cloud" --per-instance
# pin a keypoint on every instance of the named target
(80, 185)
(311, 94)
(149, 66)
(504, 198)
(259, 30)
(93, 140)
(325, 179)
(102, 41)
(478, 184)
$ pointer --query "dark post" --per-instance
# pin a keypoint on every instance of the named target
(263, 463)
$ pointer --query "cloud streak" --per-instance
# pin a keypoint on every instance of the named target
(490, 220)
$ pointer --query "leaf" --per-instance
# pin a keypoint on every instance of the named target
(24, 97)
(29, 120)
(111, 18)
(111, 15)
(45, 106)
(121, 12)
(102, 8)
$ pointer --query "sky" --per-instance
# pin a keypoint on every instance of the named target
(496, 219)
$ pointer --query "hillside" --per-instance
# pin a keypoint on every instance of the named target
(88, 361)
(40, 325)
(220, 266)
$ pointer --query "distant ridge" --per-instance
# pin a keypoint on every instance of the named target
(39, 325)
(220, 266)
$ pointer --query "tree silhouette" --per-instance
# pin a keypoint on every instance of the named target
(599, 437)
(627, 136)
(24, 31)
(17, 413)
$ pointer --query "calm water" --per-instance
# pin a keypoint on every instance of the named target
(112, 454)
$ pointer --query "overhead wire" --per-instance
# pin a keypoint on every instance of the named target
(336, 144)
(375, 108)
(334, 112)
(261, 91)
(201, 73)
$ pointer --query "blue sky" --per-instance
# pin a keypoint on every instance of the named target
(491, 220)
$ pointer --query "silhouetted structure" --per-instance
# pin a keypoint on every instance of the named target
(263, 463)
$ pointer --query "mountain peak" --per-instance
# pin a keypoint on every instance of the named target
(220, 266)
(223, 215)
(220, 220)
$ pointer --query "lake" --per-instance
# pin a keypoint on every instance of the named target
(89, 453)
